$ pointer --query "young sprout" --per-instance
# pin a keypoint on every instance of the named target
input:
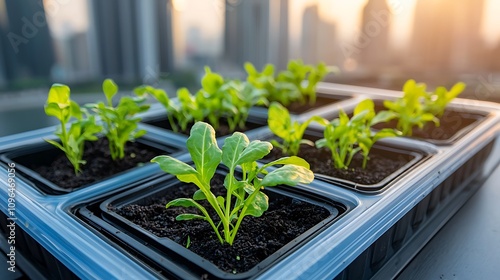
(120, 126)
(345, 137)
(417, 106)
(181, 111)
(243, 194)
(291, 133)
(83, 128)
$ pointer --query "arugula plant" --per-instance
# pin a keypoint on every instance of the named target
(436, 102)
(291, 133)
(345, 137)
(120, 126)
(181, 111)
(214, 99)
(283, 92)
(84, 128)
(297, 72)
(243, 96)
(243, 196)
(410, 110)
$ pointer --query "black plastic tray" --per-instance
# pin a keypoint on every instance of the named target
(163, 252)
(44, 152)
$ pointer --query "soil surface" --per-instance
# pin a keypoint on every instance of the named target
(381, 164)
(300, 108)
(257, 238)
(223, 129)
(99, 164)
(451, 122)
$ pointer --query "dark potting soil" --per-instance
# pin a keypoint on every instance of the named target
(300, 108)
(451, 122)
(380, 165)
(257, 238)
(99, 164)
(223, 129)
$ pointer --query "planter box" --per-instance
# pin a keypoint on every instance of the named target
(375, 236)
(103, 216)
(41, 153)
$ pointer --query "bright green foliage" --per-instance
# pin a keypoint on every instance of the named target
(243, 96)
(291, 133)
(297, 72)
(345, 137)
(282, 92)
(288, 86)
(231, 100)
(83, 129)
(120, 126)
(243, 196)
(436, 102)
(410, 110)
(181, 111)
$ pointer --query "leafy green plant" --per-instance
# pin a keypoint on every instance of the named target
(120, 126)
(181, 111)
(84, 128)
(281, 91)
(243, 96)
(288, 86)
(409, 110)
(291, 133)
(213, 98)
(345, 137)
(297, 72)
(436, 102)
(243, 196)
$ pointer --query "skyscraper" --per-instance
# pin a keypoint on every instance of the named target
(257, 31)
(26, 45)
(446, 35)
(318, 39)
(131, 39)
(373, 44)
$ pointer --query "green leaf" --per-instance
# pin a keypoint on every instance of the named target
(52, 109)
(366, 104)
(289, 175)
(55, 144)
(254, 151)
(204, 151)
(184, 202)
(75, 110)
(279, 120)
(110, 89)
(59, 94)
(383, 116)
(176, 167)
(233, 148)
(295, 160)
(259, 205)
(187, 217)
(199, 195)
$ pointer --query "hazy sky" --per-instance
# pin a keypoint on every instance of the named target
(208, 17)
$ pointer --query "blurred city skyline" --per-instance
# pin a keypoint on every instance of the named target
(372, 41)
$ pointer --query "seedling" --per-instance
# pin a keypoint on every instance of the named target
(436, 102)
(345, 137)
(120, 126)
(283, 92)
(297, 83)
(291, 133)
(84, 128)
(243, 196)
(297, 72)
(181, 111)
(213, 98)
